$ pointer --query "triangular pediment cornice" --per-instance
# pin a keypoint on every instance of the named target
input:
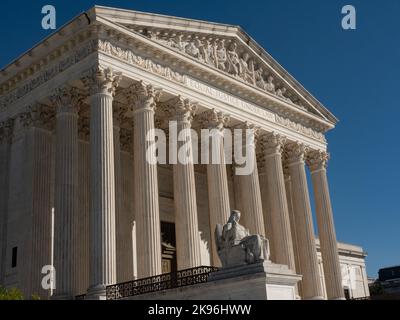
(225, 47)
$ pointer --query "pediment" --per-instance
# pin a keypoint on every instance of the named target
(224, 47)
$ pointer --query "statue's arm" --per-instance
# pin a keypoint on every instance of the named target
(226, 234)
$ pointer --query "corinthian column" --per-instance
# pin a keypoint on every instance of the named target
(311, 285)
(218, 193)
(66, 187)
(186, 221)
(317, 162)
(143, 99)
(282, 238)
(248, 183)
(102, 84)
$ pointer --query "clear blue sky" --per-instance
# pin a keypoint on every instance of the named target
(354, 73)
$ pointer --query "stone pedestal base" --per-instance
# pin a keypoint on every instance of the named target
(96, 293)
(260, 281)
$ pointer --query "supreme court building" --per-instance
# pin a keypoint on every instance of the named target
(79, 194)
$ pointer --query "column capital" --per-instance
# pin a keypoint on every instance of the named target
(142, 96)
(42, 116)
(249, 133)
(37, 115)
(25, 119)
(179, 108)
(161, 121)
(6, 130)
(273, 143)
(213, 118)
(102, 80)
(317, 160)
(246, 125)
(67, 99)
(295, 152)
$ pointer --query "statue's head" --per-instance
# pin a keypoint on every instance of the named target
(235, 215)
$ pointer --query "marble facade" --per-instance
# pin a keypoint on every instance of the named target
(78, 192)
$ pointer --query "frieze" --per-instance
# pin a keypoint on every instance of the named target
(300, 128)
(225, 97)
(137, 60)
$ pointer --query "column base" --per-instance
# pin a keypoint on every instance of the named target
(96, 293)
(340, 298)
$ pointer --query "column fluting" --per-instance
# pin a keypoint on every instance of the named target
(311, 285)
(282, 238)
(102, 84)
(317, 162)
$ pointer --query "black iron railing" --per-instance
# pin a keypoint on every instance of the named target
(80, 297)
(161, 282)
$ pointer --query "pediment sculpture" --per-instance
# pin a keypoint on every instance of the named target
(225, 55)
(236, 246)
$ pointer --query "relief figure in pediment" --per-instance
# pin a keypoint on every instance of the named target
(192, 49)
(177, 43)
(220, 54)
(281, 93)
(269, 86)
(234, 66)
(150, 34)
(247, 68)
(207, 52)
(259, 78)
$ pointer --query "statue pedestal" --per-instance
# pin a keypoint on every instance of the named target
(259, 281)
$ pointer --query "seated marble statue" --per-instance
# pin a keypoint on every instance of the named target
(236, 246)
